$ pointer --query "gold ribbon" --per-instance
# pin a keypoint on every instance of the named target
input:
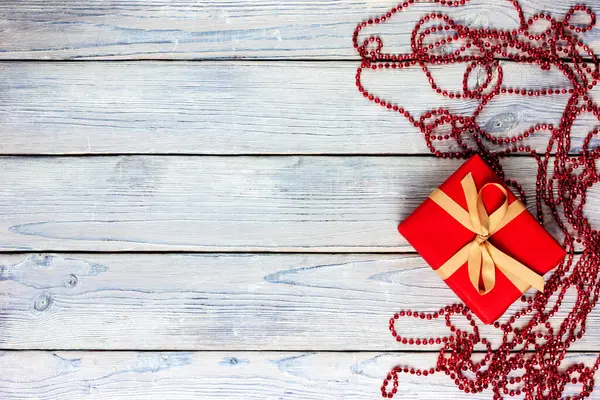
(482, 257)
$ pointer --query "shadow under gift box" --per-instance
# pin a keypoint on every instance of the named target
(437, 236)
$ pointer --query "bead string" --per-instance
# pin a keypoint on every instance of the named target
(528, 361)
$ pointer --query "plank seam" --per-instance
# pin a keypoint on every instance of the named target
(220, 60)
(92, 350)
(230, 155)
(224, 252)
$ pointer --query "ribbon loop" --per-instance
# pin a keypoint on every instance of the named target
(481, 256)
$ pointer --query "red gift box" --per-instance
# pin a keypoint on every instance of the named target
(487, 262)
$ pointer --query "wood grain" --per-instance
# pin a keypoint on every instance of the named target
(192, 29)
(223, 204)
(226, 301)
(224, 375)
(249, 108)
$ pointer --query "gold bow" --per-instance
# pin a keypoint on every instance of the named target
(482, 257)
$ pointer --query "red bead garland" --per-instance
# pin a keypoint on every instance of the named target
(528, 361)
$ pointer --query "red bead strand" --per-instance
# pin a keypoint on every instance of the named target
(528, 362)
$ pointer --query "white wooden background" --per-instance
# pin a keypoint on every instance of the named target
(196, 203)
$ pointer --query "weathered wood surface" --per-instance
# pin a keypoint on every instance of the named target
(223, 204)
(248, 108)
(247, 307)
(225, 375)
(225, 301)
(192, 29)
(222, 375)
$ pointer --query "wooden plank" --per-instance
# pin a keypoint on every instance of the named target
(226, 301)
(192, 29)
(249, 108)
(224, 375)
(226, 204)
